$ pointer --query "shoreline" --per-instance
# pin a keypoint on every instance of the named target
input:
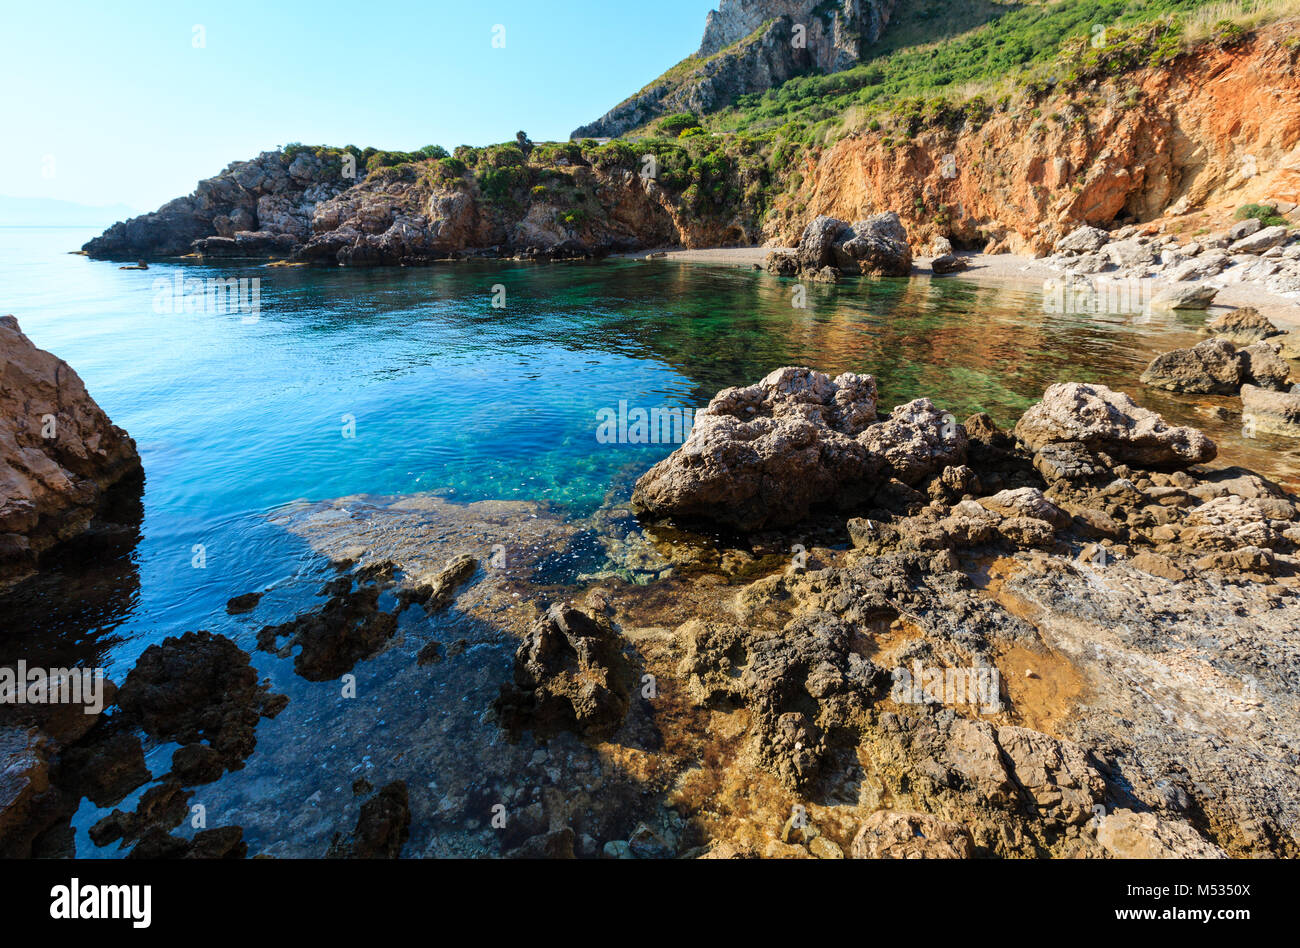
(1004, 268)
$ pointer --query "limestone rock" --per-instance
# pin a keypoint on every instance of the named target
(570, 674)
(1211, 367)
(888, 834)
(1100, 419)
(60, 456)
(1269, 412)
(766, 454)
(1242, 326)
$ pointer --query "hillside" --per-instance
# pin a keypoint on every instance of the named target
(998, 125)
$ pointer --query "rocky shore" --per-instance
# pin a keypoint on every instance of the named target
(821, 629)
(66, 471)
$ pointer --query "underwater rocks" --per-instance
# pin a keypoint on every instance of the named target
(60, 456)
(1098, 419)
(348, 628)
(570, 674)
(383, 827)
(199, 688)
(766, 455)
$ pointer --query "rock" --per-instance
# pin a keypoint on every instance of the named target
(348, 628)
(1199, 268)
(436, 591)
(1185, 296)
(1257, 243)
(781, 263)
(283, 189)
(1157, 565)
(940, 246)
(223, 842)
(199, 687)
(1069, 462)
(570, 674)
(1250, 559)
(554, 845)
(817, 245)
(876, 246)
(1128, 835)
(1244, 228)
(1026, 502)
(1241, 326)
(916, 441)
(383, 827)
(948, 263)
(62, 462)
(1264, 367)
(888, 834)
(241, 605)
(1100, 419)
(1212, 367)
(1268, 412)
(765, 455)
(1083, 239)
(1136, 254)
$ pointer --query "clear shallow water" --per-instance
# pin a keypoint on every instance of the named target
(449, 394)
(452, 395)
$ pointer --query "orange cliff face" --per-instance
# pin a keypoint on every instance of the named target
(1214, 130)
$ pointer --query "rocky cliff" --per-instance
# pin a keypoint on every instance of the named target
(59, 454)
(1186, 142)
(750, 46)
(272, 195)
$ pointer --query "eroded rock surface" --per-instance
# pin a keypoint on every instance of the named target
(60, 456)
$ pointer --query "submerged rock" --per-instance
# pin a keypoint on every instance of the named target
(60, 456)
(199, 687)
(1099, 419)
(383, 827)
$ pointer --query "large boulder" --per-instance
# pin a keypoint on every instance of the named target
(1185, 296)
(1213, 367)
(1100, 419)
(817, 245)
(1085, 239)
(1260, 241)
(1263, 366)
(59, 453)
(764, 455)
(876, 246)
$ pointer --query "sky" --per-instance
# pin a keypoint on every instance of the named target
(132, 103)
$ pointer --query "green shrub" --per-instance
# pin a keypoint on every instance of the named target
(1268, 216)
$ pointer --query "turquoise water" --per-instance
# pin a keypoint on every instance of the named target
(451, 395)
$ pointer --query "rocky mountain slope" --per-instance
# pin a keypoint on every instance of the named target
(750, 46)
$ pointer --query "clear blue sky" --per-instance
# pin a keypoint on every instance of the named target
(112, 102)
